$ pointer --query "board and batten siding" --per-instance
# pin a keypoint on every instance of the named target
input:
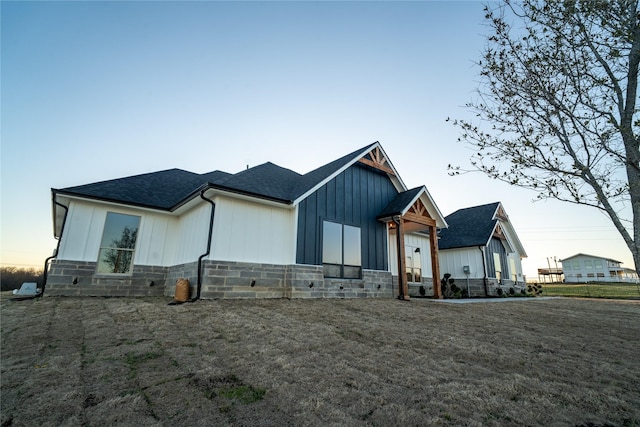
(452, 261)
(414, 240)
(354, 197)
(250, 232)
(190, 235)
(85, 224)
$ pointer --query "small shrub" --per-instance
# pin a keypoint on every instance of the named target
(534, 289)
(448, 286)
(422, 291)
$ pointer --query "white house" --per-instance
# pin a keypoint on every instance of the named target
(581, 268)
(266, 232)
(482, 252)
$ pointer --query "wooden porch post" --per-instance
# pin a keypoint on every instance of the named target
(435, 264)
(403, 287)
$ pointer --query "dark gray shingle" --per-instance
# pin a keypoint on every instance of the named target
(167, 189)
(469, 227)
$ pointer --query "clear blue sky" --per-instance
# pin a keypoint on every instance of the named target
(101, 90)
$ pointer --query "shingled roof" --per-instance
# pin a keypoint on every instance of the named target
(400, 203)
(160, 190)
(469, 227)
(167, 189)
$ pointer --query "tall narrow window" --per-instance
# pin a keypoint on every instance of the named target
(413, 264)
(341, 250)
(118, 243)
(498, 265)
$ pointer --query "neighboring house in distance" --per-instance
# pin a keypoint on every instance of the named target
(481, 251)
(581, 268)
(265, 232)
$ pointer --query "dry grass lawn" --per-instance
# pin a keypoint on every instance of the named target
(142, 362)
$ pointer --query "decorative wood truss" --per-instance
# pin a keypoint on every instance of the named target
(416, 218)
(376, 159)
(499, 232)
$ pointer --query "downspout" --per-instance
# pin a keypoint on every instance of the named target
(484, 271)
(199, 281)
(45, 272)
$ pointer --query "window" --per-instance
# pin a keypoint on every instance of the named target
(579, 275)
(576, 265)
(118, 243)
(600, 274)
(413, 263)
(498, 265)
(341, 250)
(590, 275)
(598, 264)
(588, 264)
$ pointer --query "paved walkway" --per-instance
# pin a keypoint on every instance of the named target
(475, 300)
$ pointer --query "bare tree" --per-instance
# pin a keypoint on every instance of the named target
(557, 105)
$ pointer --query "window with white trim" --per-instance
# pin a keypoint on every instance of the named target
(498, 265)
(118, 243)
(413, 264)
(341, 250)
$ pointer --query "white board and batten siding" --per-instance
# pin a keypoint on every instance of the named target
(452, 261)
(243, 232)
(411, 241)
(85, 225)
(255, 233)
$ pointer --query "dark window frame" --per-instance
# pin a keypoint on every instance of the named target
(332, 270)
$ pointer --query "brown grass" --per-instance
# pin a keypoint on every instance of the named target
(98, 361)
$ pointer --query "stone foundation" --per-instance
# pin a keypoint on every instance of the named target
(220, 280)
(80, 278)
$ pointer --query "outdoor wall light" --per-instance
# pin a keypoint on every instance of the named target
(75, 281)
(378, 286)
(341, 287)
(311, 285)
(152, 283)
(253, 282)
(417, 250)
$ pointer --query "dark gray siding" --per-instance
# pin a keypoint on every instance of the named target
(355, 197)
(496, 246)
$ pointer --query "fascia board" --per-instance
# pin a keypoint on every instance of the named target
(116, 204)
(397, 175)
(214, 191)
(514, 241)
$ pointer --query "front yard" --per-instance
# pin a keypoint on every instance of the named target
(117, 361)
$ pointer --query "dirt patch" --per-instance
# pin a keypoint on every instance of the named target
(106, 361)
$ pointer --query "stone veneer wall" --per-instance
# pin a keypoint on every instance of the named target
(307, 281)
(220, 279)
(414, 288)
(80, 278)
(477, 289)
